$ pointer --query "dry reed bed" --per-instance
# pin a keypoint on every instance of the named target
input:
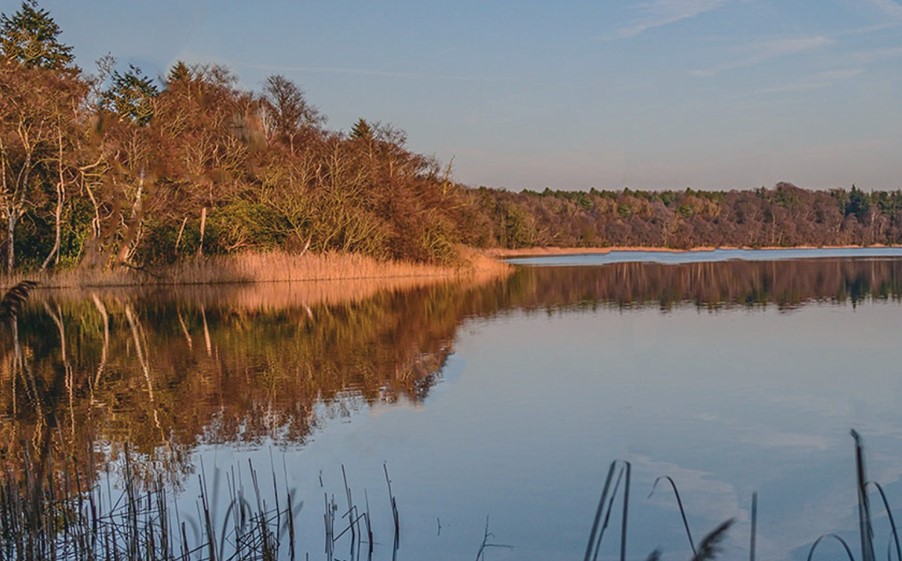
(269, 267)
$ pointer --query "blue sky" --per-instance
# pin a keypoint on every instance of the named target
(608, 94)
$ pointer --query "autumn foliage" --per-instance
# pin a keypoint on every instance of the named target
(118, 169)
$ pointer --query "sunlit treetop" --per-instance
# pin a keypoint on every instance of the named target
(131, 96)
(31, 37)
(361, 130)
(178, 73)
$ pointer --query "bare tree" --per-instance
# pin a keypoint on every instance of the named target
(286, 114)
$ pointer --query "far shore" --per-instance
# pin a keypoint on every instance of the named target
(547, 251)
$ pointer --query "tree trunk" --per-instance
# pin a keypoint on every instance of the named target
(54, 254)
(10, 242)
(203, 227)
(134, 226)
(178, 240)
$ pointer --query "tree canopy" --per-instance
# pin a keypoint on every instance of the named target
(31, 37)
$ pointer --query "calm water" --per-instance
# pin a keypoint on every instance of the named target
(504, 399)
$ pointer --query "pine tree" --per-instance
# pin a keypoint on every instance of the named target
(859, 204)
(178, 73)
(362, 130)
(131, 96)
(31, 37)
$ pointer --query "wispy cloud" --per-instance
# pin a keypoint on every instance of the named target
(659, 13)
(868, 29)
(816, 81)
(889, 7)
(876, 55)
(768, 50)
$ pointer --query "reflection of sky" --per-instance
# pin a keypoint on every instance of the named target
(702, 256)
(534, 407)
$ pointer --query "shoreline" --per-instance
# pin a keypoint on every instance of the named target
(280, 267)
(263, 268)
(553, 251)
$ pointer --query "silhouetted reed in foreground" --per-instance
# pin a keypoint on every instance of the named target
(617, 486)
(55, 517)
(50, 512)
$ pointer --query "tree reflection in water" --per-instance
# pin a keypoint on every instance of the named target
(166, 370)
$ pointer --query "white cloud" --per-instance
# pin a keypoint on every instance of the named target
(659, 13)
(768, 50)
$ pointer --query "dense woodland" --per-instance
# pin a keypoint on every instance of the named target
(115, 168)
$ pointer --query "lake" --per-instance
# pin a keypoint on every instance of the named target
(494, 405)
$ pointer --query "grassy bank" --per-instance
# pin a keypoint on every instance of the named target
(273, 266)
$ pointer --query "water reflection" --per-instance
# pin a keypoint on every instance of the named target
(166, 370)
(786, 284)
(173, 371)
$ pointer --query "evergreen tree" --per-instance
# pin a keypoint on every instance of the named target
(361, 130)
(178, 73)
(858, 204)
(31, 37)
(131, 96)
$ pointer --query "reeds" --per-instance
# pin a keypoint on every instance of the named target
(273, 267)
(54, 517)
(712, 544)
(49, 511)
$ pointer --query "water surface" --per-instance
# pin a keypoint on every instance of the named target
(504, 398)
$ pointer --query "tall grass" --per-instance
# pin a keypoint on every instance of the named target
(272, 267)
(54, 515)
(50, 511)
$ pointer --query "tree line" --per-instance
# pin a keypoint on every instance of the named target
(117, 168)
(782, 216)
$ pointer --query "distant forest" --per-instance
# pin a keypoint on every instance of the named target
(117, 168)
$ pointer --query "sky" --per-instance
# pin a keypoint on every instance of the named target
(656, 94)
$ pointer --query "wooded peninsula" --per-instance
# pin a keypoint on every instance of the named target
(117, 169)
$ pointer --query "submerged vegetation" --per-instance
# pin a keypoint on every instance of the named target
(119, 170)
